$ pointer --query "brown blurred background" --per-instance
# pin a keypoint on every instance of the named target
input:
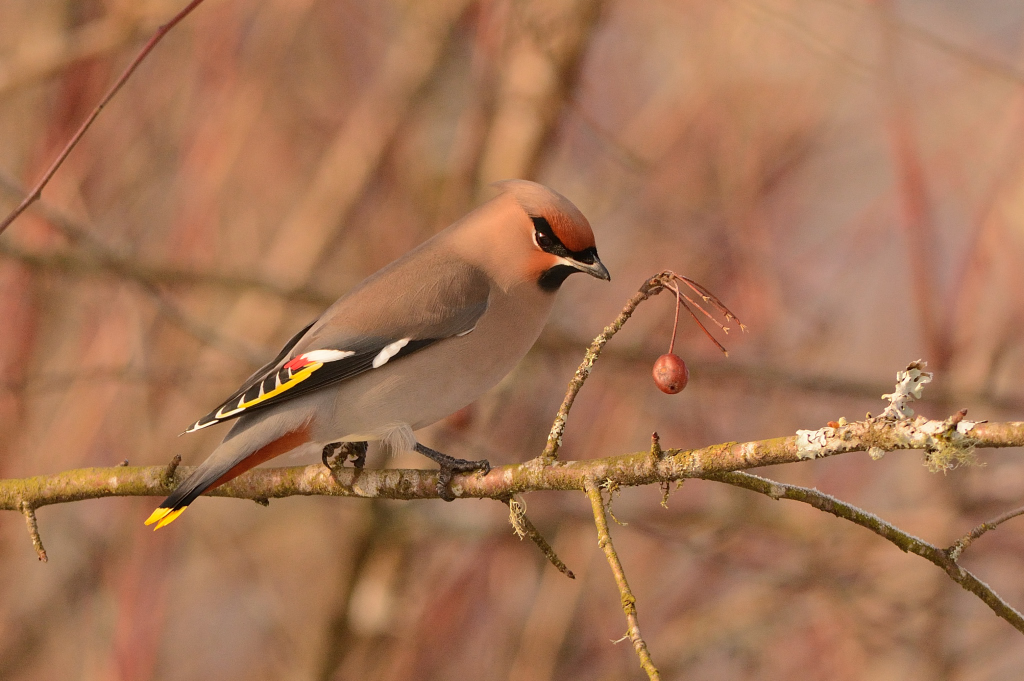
(847, 175)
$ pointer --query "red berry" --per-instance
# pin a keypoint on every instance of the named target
(670, 374)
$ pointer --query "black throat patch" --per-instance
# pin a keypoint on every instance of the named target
(551, 279)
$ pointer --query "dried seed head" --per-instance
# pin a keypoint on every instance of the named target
(670, 374)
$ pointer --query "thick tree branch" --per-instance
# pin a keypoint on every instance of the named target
(907, 542)
(638, 468)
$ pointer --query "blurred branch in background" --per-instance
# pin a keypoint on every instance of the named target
(99, 257)
(37, 190)
(39, 59)
(75, 264)
(91, 256)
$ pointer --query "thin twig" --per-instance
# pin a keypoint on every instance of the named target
(524, 527)
(604, 540)
(675, 287)
(33, 530)
(710, 297)
(37, 190)
(905, 541)
(958, 547)
(705, 330)
(651, 287)
(172, 466)
(707, 314)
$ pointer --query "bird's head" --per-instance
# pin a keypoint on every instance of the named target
(554, 240)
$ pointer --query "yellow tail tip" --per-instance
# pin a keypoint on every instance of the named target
(164, 516)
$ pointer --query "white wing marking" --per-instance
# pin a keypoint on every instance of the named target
(327, 355)
(389, 351)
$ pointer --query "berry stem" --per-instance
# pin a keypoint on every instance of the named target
(675, 324)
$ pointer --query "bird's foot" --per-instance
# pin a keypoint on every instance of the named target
(449, 466)
(336, 454)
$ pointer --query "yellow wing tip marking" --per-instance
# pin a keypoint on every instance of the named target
(228, 410)
(297, 377)
(164, 516)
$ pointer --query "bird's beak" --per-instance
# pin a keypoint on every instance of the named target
(594, 269)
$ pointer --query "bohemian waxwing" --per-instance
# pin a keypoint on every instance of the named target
(411, 344)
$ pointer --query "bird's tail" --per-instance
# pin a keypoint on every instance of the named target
(229, 460)
(164, 516)
(174, 505)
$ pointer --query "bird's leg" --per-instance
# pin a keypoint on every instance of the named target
(355, 450)
(328, 452)
(450, 465)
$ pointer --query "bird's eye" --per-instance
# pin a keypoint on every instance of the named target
(544, 241)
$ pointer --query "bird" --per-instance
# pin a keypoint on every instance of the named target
(413, 343)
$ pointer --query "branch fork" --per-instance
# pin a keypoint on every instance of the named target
(665, 280)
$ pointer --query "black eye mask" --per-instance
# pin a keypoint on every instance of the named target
(551, 279)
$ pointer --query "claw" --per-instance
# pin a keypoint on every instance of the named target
(449, 466)
(345, 450)
(357, 451)
(328, 452)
